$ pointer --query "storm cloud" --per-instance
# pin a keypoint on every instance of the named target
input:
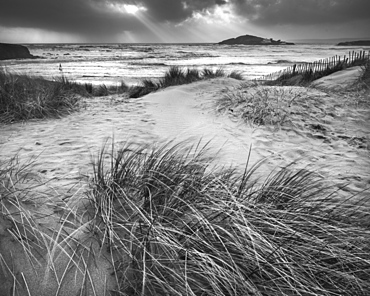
(302, 12)
(95, 16)
(102, 17)
(73, 16)
(177, 11)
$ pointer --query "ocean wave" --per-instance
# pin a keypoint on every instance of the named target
(141, 48)
(286, 62)
(240, 63)
(86, 46)
(186, 54)
(147, 64)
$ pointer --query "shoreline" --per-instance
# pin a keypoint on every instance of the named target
(134, 63)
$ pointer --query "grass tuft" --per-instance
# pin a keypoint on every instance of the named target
(174, 76)
(209, 73)
(165, 221)
(259, 105)
(181, 227)
(41, 252)
(304, 74)
(365, 77)
(178, 76)
(236, 75)
(103, 90)
(23, 97)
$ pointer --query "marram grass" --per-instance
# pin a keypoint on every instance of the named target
(165, 221)
(42, 253)
(23, 97)
(259, 105)
(178, 76)
(180, 227)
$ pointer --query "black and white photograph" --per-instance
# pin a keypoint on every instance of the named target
(184, 147)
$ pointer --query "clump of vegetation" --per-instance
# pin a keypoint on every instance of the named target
(104, 90)
(42, 252)
(365, 77)
(178, 76)
(67, 85)
(259, 105)
(304, 74)
(209, 73)
(306, 77)
(23, 97)
(178, 226)
(165, 221)
(236, 75)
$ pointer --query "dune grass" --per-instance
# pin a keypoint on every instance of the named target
(104, 90)
(43, 253)
(259, 105)
(23, 97)
(165, 221)
(191, 229)
(306, 77)
(304, 74)
(364, 80)
(236, 75)
(178, 76)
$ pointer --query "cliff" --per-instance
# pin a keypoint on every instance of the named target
(254, 40)
(355, 43)
(14, 51)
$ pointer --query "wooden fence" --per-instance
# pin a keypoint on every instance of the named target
(322, 67)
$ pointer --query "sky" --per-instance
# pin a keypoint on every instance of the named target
(180, 21)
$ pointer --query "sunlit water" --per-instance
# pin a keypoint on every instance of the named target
(113, 63)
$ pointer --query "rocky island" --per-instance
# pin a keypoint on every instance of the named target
(355, 43)
(254, 40)
(14, 51)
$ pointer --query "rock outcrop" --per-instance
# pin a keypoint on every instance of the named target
(355, 43)
(254, 40)
(14, 51)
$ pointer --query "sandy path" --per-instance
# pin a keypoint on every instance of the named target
(64, 148)
(186, 113)
(329, 133)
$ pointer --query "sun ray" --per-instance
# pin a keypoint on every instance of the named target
(151, 26)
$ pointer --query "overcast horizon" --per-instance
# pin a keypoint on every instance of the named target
(180, 21)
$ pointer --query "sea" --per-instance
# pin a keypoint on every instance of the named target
(113, 63)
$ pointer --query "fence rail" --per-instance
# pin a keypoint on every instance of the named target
(322, 67)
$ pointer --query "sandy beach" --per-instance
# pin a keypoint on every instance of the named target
(328, 131)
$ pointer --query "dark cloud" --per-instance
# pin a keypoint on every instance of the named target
(72, 16)
(99, 18)
(94, 16)
(302, 12)
(177, 10)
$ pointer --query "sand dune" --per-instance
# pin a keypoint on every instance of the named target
(339, 80)
(328, 132)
